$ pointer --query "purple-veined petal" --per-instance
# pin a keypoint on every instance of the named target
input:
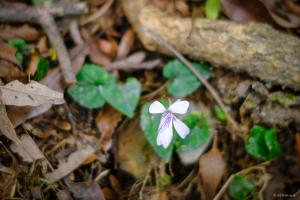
(156, 107)
(181, 128)
(165, 130)
(179, 107)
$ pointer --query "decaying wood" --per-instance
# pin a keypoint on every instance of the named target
(44, 17)
(254, 48)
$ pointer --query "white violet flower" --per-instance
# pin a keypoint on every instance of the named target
(165, 129)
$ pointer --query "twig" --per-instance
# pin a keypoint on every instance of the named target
(97, 14)
(209, 87)
(258, 167)
(44, 17)
(48, 24)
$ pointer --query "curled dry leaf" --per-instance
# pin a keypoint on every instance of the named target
(32, 152)
(212, 168)
(85, 190)
(106, 121)
(32, 94)
(126, 44)
(72, 162)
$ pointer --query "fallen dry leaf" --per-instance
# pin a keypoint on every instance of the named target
(73, 161)
(85, 190)
(32, 94)
(298, 145)
(245, 11)
(115, 183)
(108, 47)
(8, 53)
(24, 32)
(33, 64)
(32, 152)
(212, 168)
(9, 71)
(126, 44)
(106, 121)
(131, 154)
(95, 54)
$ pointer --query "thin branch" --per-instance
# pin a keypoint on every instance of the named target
(209, 87)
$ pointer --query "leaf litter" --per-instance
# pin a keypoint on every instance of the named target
(70, 151)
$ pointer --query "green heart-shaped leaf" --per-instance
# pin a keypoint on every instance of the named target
(262, 143)
(183, 81)
(87, 92)
(87, 95)
(124, 98)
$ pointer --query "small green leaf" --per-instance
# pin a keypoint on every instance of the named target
(88, 90)
(21, 47)
(94, 74)
(19, 44)
(41, 2)
(42, 69)
(183, 81)
(212, 9)
(193, 146)
(262, 143)
(124, 98)
(149, 124)
(220, 114)
(241, 188)
(200, 135)
(87, 95)
(20, 57)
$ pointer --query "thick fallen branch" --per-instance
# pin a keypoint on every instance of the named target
(44, 17)
(254, 48)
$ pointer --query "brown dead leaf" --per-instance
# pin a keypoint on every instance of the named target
(24, 32)
(42, 45)
(9, 71)
(298, 145)
(106, 121)
(245, 11)
(126, 44)
(95, 54)
(108, 47)
(32, 152)
(90, 159)
(78, 55)
(281, 15)
(85, 190)
(131, 154)
(63, 195)
(32, 94)
(64, 126)
(8, 53)
(115, 183)
(182, 7)
(33, 64)
(73, 162)
(211, 168)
